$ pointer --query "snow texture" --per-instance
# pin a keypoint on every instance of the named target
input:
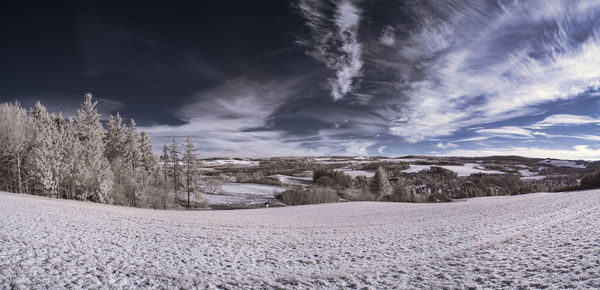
(232, 162)
(528, 241)
(244, 194)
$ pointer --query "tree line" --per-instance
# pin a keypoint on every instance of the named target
(46, 154)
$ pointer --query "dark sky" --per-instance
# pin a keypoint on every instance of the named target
(307, 77)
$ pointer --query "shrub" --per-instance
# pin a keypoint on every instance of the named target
(300, 196)
(380, 184)
(590, 181)
(324, 181)
(387, 165)
(340, 179)
(358, 194)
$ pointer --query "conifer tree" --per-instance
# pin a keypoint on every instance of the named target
(96, 175)
(164, 160)
(176, 167)
(132, 163)
(380, 185)
(148, 163)
(71, 158)
(44, 160)
(14, 143)
(190, 162)
(115, 138)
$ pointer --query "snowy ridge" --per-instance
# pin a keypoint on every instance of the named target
(534, 240)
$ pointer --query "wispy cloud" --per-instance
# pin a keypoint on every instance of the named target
(575, 153)
(506, 132)
(565, 120)
(447, 145)
(482, 64)
(233, 119)
(334, 40)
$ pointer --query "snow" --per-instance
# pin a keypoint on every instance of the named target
(537, 177)
(563, 163)
(527, 172)
(234, 188)
(528, 241)
(355, 173)
(466, 170)
(220, 162)
(292, 180)
(244, 195)
(408, 160)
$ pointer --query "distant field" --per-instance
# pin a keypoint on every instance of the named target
(534, 240)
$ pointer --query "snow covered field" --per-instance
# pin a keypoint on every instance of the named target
(293, 180)
(536, 240)
(563, 163)
(466, 170)
(237, 195)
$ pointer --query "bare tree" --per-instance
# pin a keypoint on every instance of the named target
(190, 160)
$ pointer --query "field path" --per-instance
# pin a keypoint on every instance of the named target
(534, 240)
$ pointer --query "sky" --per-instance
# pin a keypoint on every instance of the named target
(317, 77)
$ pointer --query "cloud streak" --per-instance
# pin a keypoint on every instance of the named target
(583, 152)
(479, 67)
(334, 41)
(565, 120)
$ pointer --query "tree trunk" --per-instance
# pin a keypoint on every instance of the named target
(188, 184)
(165, 194)
(19, 171)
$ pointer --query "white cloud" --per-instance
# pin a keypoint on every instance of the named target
(387, 36)
(446, 145)
(360, 148)
(380, 150)
(232, 120)
(335, 43)
(506, 132)
(482, 66)
(576, 153)
(565, 120)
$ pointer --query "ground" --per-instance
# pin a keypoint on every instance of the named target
(535, 240)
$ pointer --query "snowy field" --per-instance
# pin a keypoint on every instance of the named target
(465, 170)
(292, 180)
(237, 195)
(563, 163)
(232, 162)
(536, 240)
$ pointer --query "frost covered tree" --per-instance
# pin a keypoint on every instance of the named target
(96, 175)
(133, 164)
(190, 163)
(49, 155)
(115, 143)
(115, 138)
(14, 143)
(176, 170)
(148, 165)
(44, 160)
(380, 185)
(165, 159)
(70, 151)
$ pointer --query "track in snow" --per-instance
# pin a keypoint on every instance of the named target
(535, 240)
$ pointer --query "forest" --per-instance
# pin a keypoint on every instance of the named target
(46, 154)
